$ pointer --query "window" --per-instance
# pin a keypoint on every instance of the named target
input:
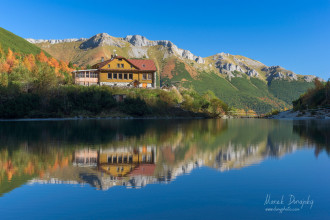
(144, 76)
(149, 76)
(143, 65)
(120, 59)
(110, 159)
(87, 74)
(120, 159)
(118, 65)
(125, 159)
(114, 159)
(115, 76)
(125, 76)
(131, 66)
(93, 75)
(120, 76)
(109, 75)
(130, 159)
(81, 75)
(130, 76)
(108, 65)
(122, 65)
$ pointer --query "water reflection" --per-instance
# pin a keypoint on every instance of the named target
(134, 153)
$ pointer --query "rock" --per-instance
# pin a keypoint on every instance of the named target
(139, 41)
(278, 75)
(252, 73)
(292, 76)
(309, 78)
(138, 52)
(200, 60)
(101, 40)
(54, 41)
(232, 67)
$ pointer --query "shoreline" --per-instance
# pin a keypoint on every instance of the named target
(153, 118)
(311, 114)
(99, 118)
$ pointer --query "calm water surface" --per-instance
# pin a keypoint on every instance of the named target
(165, 169)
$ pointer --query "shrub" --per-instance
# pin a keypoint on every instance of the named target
(135, 107)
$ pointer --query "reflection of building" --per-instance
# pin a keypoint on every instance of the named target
(85, 158)
(120, 162)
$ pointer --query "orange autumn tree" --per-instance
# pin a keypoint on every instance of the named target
(64, 66)
(10, 63)
(27, 69)
(41, 57)
(29, 62)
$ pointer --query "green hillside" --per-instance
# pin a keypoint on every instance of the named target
(16, 43)
(239, 92)
(289, 90)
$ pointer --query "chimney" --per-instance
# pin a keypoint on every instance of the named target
(102, 59)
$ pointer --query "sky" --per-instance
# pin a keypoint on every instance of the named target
(290, 33)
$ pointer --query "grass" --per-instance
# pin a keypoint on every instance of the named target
(16, 43)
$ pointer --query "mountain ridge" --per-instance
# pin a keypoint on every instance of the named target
(140, 41)
(241, 82)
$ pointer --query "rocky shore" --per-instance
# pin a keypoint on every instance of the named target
(300, 115)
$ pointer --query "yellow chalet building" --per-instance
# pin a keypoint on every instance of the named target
(119, 71)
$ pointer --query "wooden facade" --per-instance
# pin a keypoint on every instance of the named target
(119, 71)
(121, 162)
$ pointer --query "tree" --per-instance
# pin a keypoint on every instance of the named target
(11, 61)
(29, 62)
(318, 84)
(70, 65)
(41, 57)
(46, 78)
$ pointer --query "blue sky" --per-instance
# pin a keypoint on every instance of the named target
(293, 34)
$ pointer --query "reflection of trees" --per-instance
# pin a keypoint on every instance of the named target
(316, 132)
(44, 150)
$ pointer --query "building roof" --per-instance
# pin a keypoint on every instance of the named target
(144, 170)
(147, 65)
(144, 64)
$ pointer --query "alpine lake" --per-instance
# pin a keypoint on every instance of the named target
(165, 169)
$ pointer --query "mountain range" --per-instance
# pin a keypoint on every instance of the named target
(241, 82)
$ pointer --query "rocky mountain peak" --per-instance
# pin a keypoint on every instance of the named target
(141, 41)
(54, 41)
(138, 41)
(138, 46)
(101, 39)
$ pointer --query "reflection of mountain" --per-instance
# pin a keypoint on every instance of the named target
(158, 153)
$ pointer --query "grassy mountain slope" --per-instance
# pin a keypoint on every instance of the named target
(16, 43)
(243, 93)
(289, 90)
(239, 81)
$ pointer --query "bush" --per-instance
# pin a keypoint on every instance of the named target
(136, 107)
